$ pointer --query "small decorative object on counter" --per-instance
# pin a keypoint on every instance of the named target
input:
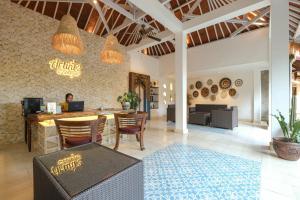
(205, 92)
(195, 94)
(225, 83)
(198, 85)
(238, 82)
(232, 92)
(214, 89)
(209, 82)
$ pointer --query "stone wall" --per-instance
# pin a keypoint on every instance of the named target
(25, 50)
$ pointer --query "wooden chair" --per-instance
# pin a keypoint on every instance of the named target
(74, 133)
(131, 124)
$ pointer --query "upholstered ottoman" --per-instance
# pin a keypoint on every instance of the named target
(89, 172)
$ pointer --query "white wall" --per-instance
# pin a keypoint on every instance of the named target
(143, 64)
(245, 49)
(238, 57)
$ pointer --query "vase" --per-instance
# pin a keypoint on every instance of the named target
(126, 106)
(286, 149)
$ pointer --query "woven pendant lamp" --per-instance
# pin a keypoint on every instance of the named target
(67, 39)
(294, 49)
(111, 52)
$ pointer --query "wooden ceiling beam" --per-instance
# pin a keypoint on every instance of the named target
(255, 19)
(65, 1)
(169, 49)
(224, 13)
(96, 5)
(36, 5)
(78, 17)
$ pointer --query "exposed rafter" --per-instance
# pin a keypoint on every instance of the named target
(224, 13)
(254, 20)
(97, 7)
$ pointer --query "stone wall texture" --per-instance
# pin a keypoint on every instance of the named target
(25, 50)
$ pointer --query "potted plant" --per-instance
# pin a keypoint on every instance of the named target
(288, 147)
(129, 100)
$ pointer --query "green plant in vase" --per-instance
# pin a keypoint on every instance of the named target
(129, 100)
(288, 147)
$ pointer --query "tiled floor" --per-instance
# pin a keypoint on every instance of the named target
(280, 179)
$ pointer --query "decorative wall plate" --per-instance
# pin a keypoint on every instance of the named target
(209, 82)
(198, 84)
(195, 94)
(192, 86)
(214, 89)
(213, 97)
(205, 92)
(224, 94)
(238, 82)
(232, 92)
(225, 83)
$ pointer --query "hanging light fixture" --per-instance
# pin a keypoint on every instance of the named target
(67, 39)
(294, 49)
(111, 52)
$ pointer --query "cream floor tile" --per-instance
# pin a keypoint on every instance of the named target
(280, 179)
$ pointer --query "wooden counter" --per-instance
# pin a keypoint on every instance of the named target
(36, 118)
(44, 116)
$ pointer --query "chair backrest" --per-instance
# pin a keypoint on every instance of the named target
(133, 119)
(67, 128)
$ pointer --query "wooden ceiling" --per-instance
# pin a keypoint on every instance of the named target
(89, 19)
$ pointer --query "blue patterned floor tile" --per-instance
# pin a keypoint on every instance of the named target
(185, 172)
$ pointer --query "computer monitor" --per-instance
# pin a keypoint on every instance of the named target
(76, 106)
(31, 105)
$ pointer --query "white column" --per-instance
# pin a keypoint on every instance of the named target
(279, 62)
(257, 95)
(181, 82)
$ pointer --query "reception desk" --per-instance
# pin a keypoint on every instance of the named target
(45, 127)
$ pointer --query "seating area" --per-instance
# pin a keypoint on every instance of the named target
(150, 100)
(219, 116)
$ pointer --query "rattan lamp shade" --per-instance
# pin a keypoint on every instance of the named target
(67, 39)
(111, 53)
(294, 48)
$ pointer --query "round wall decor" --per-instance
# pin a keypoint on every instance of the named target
(209, 82)
(225, 83)
(213, 97)
(205, 92)
(195, 94)
(224, 94)
(198, 84)
(192, 86)
(238, 82)
(232, 92)
(214, 89)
